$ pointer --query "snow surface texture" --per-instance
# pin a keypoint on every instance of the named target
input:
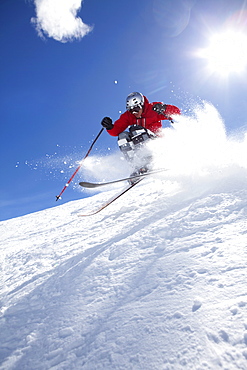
(155, 281)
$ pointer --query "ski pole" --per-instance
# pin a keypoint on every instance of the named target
(88, 152)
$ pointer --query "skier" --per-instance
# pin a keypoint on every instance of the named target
(144, 119)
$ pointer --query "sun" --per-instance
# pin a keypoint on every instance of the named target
(226, 53)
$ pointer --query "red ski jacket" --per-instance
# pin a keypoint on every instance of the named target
(149, 119)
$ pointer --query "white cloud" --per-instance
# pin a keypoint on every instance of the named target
(57, 19)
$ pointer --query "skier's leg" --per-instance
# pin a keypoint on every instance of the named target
(138, 134)
(140, 137)
(126, 145)
(128, 149)
(132, 145)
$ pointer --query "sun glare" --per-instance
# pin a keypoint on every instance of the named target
(226, 53)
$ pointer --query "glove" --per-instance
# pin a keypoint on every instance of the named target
(159, 108)
(107, 123)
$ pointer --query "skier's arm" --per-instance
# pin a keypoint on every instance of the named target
(120, 124)
(165, 110)
(170, 111)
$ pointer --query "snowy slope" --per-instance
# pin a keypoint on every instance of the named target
(155, 281)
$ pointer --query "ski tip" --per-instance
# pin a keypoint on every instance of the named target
(88, 185)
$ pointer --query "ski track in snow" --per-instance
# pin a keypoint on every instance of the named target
(155, 281)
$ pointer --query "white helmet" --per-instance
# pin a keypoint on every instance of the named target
(134, 100)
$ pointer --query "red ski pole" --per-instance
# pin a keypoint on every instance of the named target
(89, 150)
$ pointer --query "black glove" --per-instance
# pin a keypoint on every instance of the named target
(107, 123)
(159, 108)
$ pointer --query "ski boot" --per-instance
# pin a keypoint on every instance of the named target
(135, 175)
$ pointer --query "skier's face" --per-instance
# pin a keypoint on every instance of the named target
(138, 113)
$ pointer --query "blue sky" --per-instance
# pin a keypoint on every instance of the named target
(54, 91)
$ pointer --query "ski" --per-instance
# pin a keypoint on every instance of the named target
(92, 185)
(106, 204)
